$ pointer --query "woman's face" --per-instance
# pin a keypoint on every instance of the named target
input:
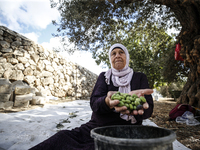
(118, 58)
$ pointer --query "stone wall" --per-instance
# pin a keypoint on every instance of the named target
(42, 70)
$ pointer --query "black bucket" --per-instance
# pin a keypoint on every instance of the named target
(131, 137)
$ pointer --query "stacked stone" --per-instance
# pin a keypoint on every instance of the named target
(18, 94)
(51, 74)
(6, 94)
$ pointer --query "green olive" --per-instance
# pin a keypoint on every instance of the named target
(131, 102)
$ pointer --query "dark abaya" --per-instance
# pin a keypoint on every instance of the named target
(79, 138)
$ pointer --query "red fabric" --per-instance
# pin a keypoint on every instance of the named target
(177, 52)
(179, 110)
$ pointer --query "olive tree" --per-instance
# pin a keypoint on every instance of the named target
(90, 23)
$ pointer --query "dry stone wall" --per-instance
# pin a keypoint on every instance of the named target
(37, 72)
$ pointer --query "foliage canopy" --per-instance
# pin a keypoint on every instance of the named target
(90, 24)
(94, 25)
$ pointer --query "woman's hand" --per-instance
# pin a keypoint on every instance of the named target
(124, 109)
(140, 93)
(113, 103)
(140, 111)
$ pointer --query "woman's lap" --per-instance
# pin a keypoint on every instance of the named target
(75, 139)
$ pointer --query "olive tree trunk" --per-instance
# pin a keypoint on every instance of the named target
(188, 13)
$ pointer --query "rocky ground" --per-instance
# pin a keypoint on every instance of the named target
(187, 135)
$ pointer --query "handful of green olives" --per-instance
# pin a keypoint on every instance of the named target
(132, 102)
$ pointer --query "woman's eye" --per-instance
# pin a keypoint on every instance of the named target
(113, 54)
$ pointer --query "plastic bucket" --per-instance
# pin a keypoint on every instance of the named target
(131, 137)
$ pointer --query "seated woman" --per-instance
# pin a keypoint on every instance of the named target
(104, 110)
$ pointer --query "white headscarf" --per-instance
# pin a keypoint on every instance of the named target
(121, 78)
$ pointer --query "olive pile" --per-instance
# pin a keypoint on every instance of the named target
(132, 102)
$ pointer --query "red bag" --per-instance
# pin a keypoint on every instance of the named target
(177, 52)
(179, 110)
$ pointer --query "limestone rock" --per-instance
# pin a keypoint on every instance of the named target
(6, 50)
(28, 71)
(13, 61)
(40, 65)
(23, 98)
(19, 66)
(4, 81)
(7, 73)
(18, 53)
(47, 81)
(4, 97)
(17, 83)
(2, 105)
(21, 104)
(4, 44)
(37, 100)
(38, 94)
(49, 68)
(31, 62)
(6, 105)
(3, 60)
(60, 93)
(22, 90)
(5, 88)
(16, 44)
(22, 60)
(46, 74)
(30, 79)
(7, 66)
(16, 75)
(35, 57)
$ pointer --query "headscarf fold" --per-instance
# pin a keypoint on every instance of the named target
(121, 78)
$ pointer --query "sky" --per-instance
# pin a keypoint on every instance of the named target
(33, 19)
(23, 130)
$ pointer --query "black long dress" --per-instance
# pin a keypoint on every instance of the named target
(79, 138)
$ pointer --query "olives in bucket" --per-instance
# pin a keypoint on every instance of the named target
(132, 102)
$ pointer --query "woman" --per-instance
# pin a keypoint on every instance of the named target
(105, 111)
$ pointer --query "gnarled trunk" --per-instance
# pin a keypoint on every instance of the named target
(191, 91)
(188, 13)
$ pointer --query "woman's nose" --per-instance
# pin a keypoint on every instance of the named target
(117, 55)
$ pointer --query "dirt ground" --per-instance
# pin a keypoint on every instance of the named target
(187, 135)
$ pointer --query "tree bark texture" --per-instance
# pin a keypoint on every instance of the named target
(188, 13)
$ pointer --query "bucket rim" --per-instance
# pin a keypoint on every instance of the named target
(134, 142)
